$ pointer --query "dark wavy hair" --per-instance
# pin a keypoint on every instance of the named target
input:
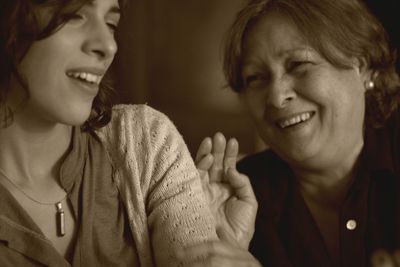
(19, 28)
(344, 26)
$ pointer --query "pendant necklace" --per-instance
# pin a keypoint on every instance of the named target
(60, 216)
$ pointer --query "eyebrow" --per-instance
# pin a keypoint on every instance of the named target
(114, 9)
(294, 50)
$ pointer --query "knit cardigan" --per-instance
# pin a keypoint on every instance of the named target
(158, 184)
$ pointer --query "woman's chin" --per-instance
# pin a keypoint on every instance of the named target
(76, 116)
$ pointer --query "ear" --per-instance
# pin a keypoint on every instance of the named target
(365, 72)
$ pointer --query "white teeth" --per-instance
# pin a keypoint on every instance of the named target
(295, 120)
(85, 76)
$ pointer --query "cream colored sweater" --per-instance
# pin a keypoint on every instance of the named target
(158, 183)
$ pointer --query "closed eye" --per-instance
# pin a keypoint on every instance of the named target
(113, 26)
(254, 80)
(74, 16)
(294, 65)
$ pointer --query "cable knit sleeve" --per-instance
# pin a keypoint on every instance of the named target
(159, 184)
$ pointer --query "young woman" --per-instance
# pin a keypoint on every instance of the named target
(82, 183)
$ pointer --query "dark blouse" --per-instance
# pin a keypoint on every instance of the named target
(104, 237)
(286, 233)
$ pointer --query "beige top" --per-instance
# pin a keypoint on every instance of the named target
(158, 183)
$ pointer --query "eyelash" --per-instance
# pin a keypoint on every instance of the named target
(249, 79)
(113, 27)
(76, 16)
(293, 65)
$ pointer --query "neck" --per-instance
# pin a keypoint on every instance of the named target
(31, 151)
(329, 185)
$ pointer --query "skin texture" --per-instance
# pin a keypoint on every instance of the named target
(285, 77)
(233, 203)
(35, 144)
(86, 41)
(229, 193)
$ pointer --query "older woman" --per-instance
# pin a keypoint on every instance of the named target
(318, 79)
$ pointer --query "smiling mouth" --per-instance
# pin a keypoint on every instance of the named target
(295, 120)
(86, 77)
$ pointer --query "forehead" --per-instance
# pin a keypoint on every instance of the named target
(273, 33)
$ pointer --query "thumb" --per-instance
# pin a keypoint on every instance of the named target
(241, 185)
(225, 236)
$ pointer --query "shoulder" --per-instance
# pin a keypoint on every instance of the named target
(135, 122)
(138, 114)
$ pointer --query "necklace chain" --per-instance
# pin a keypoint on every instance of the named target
(2, 172)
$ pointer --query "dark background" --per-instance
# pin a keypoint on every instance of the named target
(170, 58)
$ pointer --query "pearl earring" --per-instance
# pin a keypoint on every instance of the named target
(369, 85)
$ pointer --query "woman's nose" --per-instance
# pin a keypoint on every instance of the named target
(100, 42)
(280, 93)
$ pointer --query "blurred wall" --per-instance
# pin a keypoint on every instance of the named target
(171, 58)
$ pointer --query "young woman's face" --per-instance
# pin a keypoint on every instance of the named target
(308, 111)
(63, 71)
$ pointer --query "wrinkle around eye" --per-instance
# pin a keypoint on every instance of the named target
(299, 67)
(254, 81)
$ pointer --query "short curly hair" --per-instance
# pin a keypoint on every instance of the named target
(329, 26)
(19, 28)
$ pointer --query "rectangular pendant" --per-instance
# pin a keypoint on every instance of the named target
(60, 220)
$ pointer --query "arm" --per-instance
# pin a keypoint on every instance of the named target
(158, 183)
(178, 212)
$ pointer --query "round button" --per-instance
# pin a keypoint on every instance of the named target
(351, 225)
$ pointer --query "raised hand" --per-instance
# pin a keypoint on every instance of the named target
(230, 195)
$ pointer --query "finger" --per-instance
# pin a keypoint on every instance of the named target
(205, 163)
(241, 185)
(381, 258)
(218, 151)
(202, 167)
(204, 149)
(231, 153)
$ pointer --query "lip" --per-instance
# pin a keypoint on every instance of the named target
(93, 70)
(89, 88)
(283, 119)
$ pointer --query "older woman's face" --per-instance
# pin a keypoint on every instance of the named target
(308, 111)
(63, 71)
